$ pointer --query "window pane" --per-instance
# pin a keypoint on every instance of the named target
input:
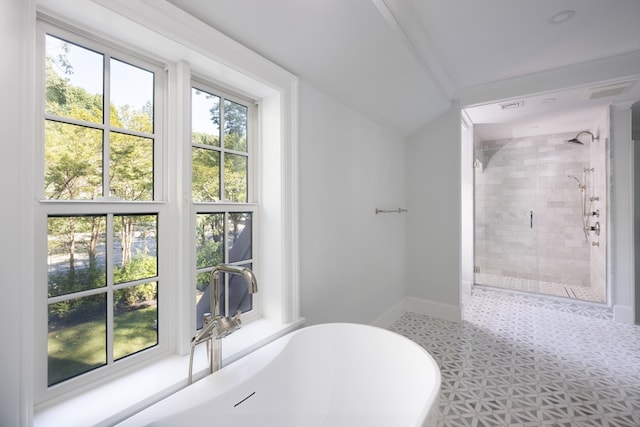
(76, 254)
(135, 319)
(235, 178)
(209, 239)
(74, 81)
(202, 297)
(131, 97)
(131, 167)
(205, 185)
(134, 247)
(72, 161)
(239, 236)
(205, 118)
(239, 296)
(202, 283)
(210, 253)
(235, 126)
(77, 337)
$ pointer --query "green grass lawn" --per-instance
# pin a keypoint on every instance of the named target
(77, 349)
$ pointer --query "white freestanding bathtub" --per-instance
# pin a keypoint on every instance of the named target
(335, 375)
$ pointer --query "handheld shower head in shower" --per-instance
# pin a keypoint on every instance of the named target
(571, 176)
(581, 186)
(576, 140)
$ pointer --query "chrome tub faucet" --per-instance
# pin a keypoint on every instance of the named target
(215, 327)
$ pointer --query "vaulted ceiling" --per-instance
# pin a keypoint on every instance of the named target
(401, 62)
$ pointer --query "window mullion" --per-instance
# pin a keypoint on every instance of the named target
(73, 121)
(226, 260)
(106, 118)
(110, 308)
(222, 153)
(252, 151)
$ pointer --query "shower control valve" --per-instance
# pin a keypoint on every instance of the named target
(596, 213)
(594, 198)
(595, 228)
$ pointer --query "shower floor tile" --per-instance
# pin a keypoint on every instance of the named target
(514, 364)
(583, 293)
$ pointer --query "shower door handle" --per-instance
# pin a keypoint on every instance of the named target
(530, 219)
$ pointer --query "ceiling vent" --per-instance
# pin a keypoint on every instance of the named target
(609, 90)
(512, 105)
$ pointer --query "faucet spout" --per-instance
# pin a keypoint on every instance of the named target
(215, 327)
(214, 282)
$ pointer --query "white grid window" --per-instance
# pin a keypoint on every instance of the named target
(98, 196)
(221, 158)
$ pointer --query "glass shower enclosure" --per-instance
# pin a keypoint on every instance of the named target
(540, 214)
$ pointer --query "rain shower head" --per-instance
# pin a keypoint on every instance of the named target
(576, 140)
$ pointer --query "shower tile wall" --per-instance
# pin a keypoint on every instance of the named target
(527, 210)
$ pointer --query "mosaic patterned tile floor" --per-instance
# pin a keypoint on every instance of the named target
(513, 363)
(583, 293)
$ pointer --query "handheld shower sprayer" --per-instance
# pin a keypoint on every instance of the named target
(580, 185)
(587, 210)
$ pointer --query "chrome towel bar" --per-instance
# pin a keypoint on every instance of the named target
(399, 210)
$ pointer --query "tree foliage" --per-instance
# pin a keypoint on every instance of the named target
(206, 163)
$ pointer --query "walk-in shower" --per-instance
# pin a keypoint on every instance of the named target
(540, 214)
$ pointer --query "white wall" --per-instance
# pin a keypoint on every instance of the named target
(352, 260)
(434, 194)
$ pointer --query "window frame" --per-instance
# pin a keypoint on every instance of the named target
(46, 208)
(224, 206)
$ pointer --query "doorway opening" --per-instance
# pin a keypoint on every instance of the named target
(540, 198)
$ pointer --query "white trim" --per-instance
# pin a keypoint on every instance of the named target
(449, 312)
(387, 318)
(17, 112)
(601, 71)
(465, 291)
(621, 213)
(422, 306)
(623, 313)
(291, 294)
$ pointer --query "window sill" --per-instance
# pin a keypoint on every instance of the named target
(117, 400)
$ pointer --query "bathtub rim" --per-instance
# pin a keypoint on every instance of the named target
(244, 369)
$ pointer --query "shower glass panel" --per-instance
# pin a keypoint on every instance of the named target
(530, 219)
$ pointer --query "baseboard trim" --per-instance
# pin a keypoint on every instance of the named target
(387, 318)
(623, 313)
(421, 306)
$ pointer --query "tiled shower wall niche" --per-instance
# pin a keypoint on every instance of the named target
(528, 213)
